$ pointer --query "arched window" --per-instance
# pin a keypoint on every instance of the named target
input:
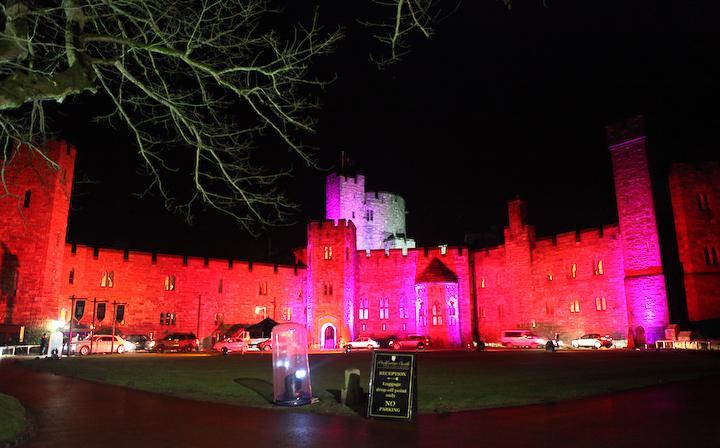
(711, 255)
(108, 279)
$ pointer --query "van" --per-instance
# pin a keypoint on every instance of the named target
(521, 338)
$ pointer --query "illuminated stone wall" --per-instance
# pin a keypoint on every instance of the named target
(205, 293)
(33, 226)
(644, 280)
(695, 193)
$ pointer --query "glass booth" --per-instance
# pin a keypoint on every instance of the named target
(291, 372)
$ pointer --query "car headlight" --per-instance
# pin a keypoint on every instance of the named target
(151, 344)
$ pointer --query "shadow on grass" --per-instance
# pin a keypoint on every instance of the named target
(260, 387)
(360, 408)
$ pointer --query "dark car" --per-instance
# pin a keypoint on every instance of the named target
(140, 341)
(412, 342)
(179, 342)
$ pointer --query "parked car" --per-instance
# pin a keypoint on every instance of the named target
(593, 340)
(362, 342)
(102, 343)
(522, 338)
(230, 345)
(412, 342)
(265, 346)
(181, 342)
(139, 341)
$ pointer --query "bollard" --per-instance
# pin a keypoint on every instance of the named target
(351, 393)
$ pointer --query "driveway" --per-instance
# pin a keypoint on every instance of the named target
(71, 412)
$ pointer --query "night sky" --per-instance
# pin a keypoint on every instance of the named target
(499, 103)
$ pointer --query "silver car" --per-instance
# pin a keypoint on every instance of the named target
(101, 344)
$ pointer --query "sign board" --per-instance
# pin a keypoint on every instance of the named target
(393, 386)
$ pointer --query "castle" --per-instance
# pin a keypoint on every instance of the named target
(360, 274)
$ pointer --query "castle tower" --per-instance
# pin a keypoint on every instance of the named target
(519, 242)
(379, 216)
(332, 264)
(32, 234)
(644, 280)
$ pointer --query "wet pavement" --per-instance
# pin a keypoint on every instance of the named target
(71, 412)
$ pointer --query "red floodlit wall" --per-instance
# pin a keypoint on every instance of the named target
(570, 284)
(34, 211)
(695, 193)
(204, 293)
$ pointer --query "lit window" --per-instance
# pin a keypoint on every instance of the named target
(287, 314)
(404, 327)
(384, 327)
(384, 309)
(711, 257)
(364, 327)
(572, 271)
(107, 280)
(550, 276)
(328, 253)
(600, 303)
(71, 278)
(482, 283)
(262, 288)
(443, 249)
(436, 315)
(598, 268)
(261, 311)
(575, 306)
(363, 310)
(702, 200)
(169, 283)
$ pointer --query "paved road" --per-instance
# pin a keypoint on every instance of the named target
(73, 413)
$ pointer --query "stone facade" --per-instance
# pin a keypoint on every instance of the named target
(352, 279)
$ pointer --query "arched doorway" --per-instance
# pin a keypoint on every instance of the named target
(328, 334)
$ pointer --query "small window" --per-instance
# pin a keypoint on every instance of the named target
(403, 309)
(26, 199)
(437, 318)
(452, 314)
(363, 310)
(328, 253)
(108, 279)
(263, 289)
(364, 327)
(482, 283)
(287, 314)
(572, 271)
(169, 283)
(550, 276)
(501, 311)
(711, 257)
(220, 286)
(404, 327)
(549, 309)
(384, 309)
(600, 303)
(598, 268)
(384, 327)
(443, 249)
(71, 277)
(702, 200)
(327, 289)
(167, 319)
(482, 312)
(575, 306)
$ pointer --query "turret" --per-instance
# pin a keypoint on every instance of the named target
(644, 280)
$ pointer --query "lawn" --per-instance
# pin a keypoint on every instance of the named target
(447, 381)
(14, 423)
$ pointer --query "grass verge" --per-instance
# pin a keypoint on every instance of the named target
(14, 422)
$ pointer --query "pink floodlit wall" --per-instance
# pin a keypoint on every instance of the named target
(695, 193)
(644, 280)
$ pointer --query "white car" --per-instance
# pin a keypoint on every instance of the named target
(592, 340)
(361, 343)
(102, 343)
(230, 345)
(522, 338)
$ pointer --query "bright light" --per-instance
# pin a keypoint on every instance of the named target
(300, 374)
(55, 325)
